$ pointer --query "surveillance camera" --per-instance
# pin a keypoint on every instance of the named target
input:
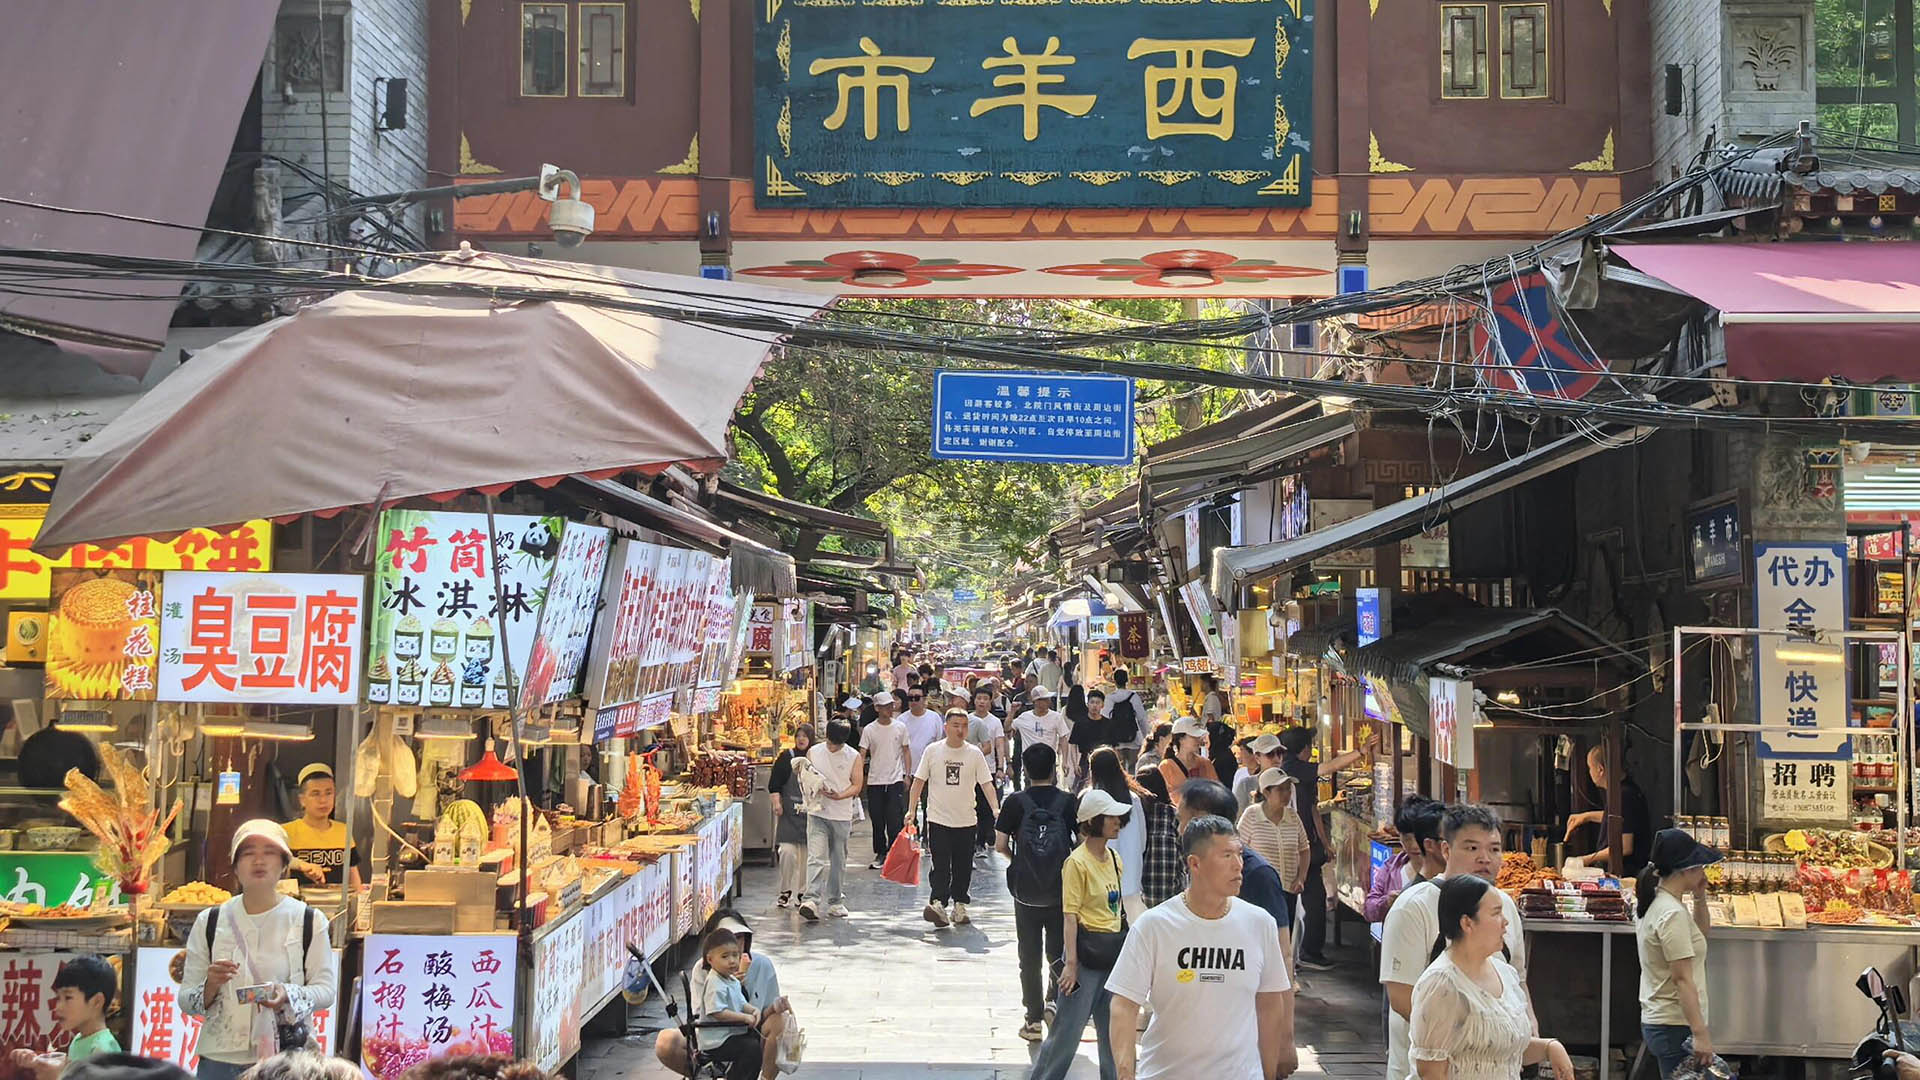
(571, 221)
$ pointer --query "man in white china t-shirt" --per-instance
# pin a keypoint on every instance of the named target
(1413, 923)
(1211, 967)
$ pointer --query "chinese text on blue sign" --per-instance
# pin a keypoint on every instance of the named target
(1801, 684)
(1033, 416)
(1047, 103)
(1370, 616)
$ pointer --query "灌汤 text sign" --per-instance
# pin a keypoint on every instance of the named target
(1046, 103)
(1033, 416)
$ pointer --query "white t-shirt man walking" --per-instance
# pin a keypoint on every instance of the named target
(1043, 724)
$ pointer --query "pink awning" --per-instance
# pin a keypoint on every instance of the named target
(1801, 310)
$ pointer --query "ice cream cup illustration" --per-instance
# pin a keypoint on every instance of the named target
(440, 688)
(379, 679)
(407, 691)
(445, 640)
(479, 641)
(407, 638)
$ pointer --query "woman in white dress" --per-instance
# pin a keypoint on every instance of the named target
(1470, 1019)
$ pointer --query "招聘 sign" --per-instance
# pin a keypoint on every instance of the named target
(1800, 691)
(1033, 416)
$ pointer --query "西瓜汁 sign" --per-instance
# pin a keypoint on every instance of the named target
(1800, 691)
(1049, 103)
(1033, 416)
(289, 639)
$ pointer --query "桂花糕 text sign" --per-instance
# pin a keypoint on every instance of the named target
(1033, 103)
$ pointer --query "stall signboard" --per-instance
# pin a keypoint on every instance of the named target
(650, 641)
(559, 971)
(26, 1001)
(52, 878)
(1205, 620)
(686, 890)
(760, 627)
(1103, 627)
(1800, 691)
(1713, 542)
(163, 1032)
(714, 876)
(613, 922)
(1805, 792)
(437, 617)
(1033, 416)
(559, 649)
(718, 662)
(26, 575)
(1372, 614)
(1133, 635)
(970, 104)
(1196, 665)
(1883, 547)
(425, 996)
(288, 639)
(656, 906)
(103, 637)
(1450, 708)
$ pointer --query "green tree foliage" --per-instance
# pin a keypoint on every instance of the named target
(1853, 48)
(850, 429)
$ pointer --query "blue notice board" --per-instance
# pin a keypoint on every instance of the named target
(1033, 416)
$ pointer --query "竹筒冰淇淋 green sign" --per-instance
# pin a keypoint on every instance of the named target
(1033, 103)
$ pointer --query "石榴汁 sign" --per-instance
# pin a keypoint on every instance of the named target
(1032, 103)
(1033, 416)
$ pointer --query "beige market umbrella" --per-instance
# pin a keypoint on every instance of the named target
(378, 396)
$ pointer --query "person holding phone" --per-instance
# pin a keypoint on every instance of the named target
(257, 966)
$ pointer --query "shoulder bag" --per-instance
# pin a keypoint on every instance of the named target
(1099, 950)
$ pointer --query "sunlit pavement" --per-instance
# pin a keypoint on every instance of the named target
(883, 995)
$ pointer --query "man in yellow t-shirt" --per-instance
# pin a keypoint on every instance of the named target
(319, 843)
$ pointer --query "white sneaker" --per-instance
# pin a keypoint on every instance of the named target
(837, 911)
(960, 917)
(935, 914)
(810, 910)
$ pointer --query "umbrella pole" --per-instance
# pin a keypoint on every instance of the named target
(514, 706)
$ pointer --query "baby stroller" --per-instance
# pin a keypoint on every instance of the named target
(703, 1066)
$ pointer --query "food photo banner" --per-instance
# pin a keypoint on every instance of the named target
(103, 635)
(937, 103)
(286, 639)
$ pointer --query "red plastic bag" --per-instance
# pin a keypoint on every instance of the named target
(903, 861)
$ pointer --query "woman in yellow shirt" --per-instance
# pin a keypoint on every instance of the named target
(1094, 928)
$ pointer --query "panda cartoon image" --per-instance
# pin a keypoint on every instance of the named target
(540, 540)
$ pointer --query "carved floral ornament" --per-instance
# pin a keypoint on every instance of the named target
(1766, 50)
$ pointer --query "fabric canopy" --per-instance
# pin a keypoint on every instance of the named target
(1800, 310)
(379, 396)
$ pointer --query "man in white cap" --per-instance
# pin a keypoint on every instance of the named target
(1042, 724)
(924, 728)
(1187, 758)
(889, 760)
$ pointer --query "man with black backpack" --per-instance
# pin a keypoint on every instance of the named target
(1126, 720)
(1035, 836)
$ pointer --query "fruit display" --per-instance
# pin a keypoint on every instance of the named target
(733, 772)
(460, 835)
(389, 1058)
(197, 892)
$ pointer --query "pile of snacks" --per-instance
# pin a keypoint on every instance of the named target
(1517, 873)
(197, 892)
(731, 771)
(1844, 893)
(1840, 848)
(1585, 902)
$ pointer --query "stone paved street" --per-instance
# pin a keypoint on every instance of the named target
(884, 996)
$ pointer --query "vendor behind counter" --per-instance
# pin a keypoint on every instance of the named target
(1587, 831)
(320, 847)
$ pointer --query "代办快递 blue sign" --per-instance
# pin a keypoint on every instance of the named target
(1032, 103)
(1033, 416)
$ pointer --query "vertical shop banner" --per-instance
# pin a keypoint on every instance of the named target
(27, 575)
(1200, 610)
(26, 1001)
(432, 996)
(289, 639)
(631, 641)
(686, 890)
(1800, 690)
(1450, 705)
(558, 959)
(559, 650)
(1134, 635)
(716, 647)
(656, 906)
(1805, 792)
(612, 923)
(1372, 615)
(162, 1032)
(103, 637)
(437, 620)
(766, 614)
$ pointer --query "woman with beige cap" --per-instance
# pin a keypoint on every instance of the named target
(257, 966)
(1271, 826)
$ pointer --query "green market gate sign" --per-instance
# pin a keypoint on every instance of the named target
(1061, 103)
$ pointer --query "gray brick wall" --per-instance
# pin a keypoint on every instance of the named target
(384, 39)
(1701, 37)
